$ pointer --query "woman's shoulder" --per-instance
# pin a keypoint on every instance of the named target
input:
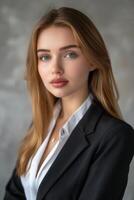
(110, 126)
(113, 122)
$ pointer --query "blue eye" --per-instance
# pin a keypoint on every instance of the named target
(47, 57)
(44, 58)
(71, 55)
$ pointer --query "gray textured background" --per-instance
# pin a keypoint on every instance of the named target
(115, 21)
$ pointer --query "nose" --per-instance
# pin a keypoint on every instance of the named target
(56, 66)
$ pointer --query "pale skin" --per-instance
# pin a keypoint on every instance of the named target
(68, 63)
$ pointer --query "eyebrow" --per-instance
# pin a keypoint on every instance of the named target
(61, 48)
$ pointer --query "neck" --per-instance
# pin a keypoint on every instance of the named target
(70, 104)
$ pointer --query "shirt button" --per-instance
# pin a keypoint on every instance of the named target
(62, 132)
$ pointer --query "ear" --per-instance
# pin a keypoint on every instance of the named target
(92, 67)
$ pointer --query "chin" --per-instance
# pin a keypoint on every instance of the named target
(59, 95)
(62, 94)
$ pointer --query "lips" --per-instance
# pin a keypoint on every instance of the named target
(59, 83)
(60, 80)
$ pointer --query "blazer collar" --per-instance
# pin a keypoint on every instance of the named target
(77, 142)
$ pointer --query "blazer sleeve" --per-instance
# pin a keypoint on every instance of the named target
(108, 174)
(14, 189)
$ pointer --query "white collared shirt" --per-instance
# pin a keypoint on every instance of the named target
(30, 181)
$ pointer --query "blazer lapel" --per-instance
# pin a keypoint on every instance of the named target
(76, 143)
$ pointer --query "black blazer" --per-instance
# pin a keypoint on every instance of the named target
(92, 165)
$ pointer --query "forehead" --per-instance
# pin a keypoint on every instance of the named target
(55, 37)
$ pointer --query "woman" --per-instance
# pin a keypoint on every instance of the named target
(78, 146)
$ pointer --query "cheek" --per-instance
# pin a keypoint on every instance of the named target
(42, 72)
(79, 70)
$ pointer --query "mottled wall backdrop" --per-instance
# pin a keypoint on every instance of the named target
(114, 19)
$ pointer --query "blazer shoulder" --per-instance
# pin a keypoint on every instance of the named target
(109, 126)
(112, 133)
(103, 121)
(113, 121)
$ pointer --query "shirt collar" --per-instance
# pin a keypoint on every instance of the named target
(73, 120)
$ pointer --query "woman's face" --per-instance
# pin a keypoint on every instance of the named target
(59, 57)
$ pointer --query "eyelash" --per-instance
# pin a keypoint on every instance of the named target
(42, 56)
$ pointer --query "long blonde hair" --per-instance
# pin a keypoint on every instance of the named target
(101, 81)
